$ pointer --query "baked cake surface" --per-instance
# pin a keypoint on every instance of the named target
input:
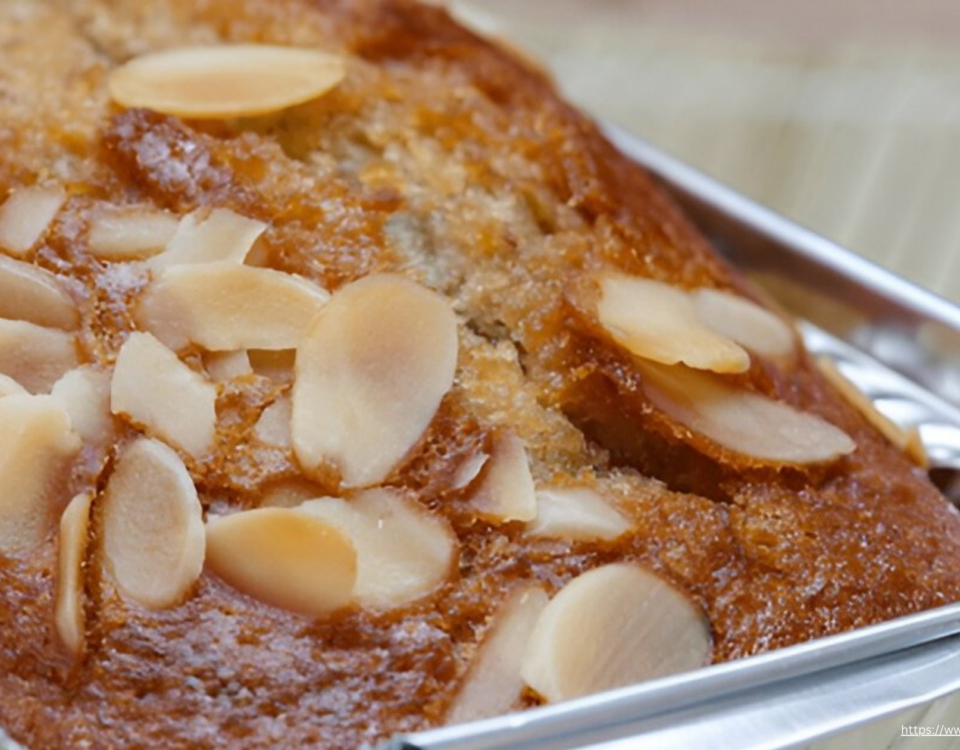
(440, 180)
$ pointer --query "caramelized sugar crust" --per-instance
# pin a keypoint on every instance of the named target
(442, 157)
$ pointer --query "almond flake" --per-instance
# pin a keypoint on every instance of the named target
(469, 470)
(493, 683)
(899, 437)
(745, 322)
(153, 540)
(577, 513)
(277, 365)
(289, 493)
(225, 81)
(744, 422)
(610, 627)
(225, 306)
(34, 356)
(130, 235)
(36, 448)
(283, 557)
(208, 236)
(659, 322)
(10, 387)
(403, 551)
(505, 490)
(35, 295)
(273, 427)
(68, 611)
(370, 374)
(85, 394)
(155, 390)
(25, 216)
(223, 366)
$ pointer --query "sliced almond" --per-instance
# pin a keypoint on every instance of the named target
(659, 322)
(276, 365)
(153, 540)
(35, 295)
(289, 493)
(370, 374)
(403, 551)
(225, 306)
(283, 557)
(223, 81)
(223, 366)
(859, 401)
(68, 611)
(493, 683)
(505, 490)
(25, 216)
(469, 470)
(744, 422)
(34, 356)
(915, 448)
(577, 513)
(36, 447)
(10, 387)
(745, 322)
(208, 236)
(130, 234)
(85, 394)
(273, 427)
(610, 627)
(152, 388)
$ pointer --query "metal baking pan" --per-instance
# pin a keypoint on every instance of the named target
(864, 688)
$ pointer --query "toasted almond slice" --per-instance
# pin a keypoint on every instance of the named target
(131, 234)
(493, 683)
(10, 387)
(36, 446)
(225, 306)
(68, 611)
(915, 448)
(208, 236)
(289, 493)
(25, 216)
(273, 427)
(218, 82)
(613, 626)
(34, 294)
(576, 513)
(744, 422)
(223, 366)
(745, 322)
(469, 470)
(859, 401)
(34, 356)
(370, 374)
(153, 540)
(276, 365)
(283, 557)
(154, 389)
(85, 394)
(403, 551)
(505, 490)
(659, 322)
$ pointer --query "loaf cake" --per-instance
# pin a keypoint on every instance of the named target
(353, 384)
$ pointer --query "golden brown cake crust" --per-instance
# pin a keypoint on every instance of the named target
(444, 158)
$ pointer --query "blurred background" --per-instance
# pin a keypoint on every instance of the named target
(843, 115)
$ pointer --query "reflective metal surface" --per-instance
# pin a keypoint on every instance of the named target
(777, 700)
(901, 346)
(906, 328)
